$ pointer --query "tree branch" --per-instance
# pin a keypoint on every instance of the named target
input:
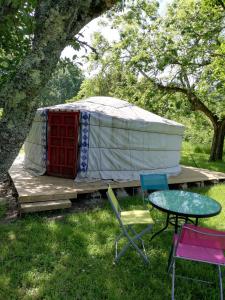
(196, 103)
(85, 44)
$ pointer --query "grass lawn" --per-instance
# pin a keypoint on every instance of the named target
(198, 156)
(72, 258)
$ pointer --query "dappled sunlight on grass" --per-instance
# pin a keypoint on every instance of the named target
(11, 236)
(72, 258)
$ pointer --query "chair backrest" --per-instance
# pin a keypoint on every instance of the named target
(154, 182)
(113, 201)
(203, 237)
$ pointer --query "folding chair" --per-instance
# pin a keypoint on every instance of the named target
(152, 182)
(199, 244)
(126, 221)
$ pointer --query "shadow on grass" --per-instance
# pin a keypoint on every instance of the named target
(72, 258)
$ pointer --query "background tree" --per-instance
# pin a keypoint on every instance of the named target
(50, 25)
(63, 85)
(180, 53)
(144, 94)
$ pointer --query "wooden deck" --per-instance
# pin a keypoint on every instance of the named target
(32, 189)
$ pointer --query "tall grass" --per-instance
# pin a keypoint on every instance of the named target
(197, 155)
(188, 147)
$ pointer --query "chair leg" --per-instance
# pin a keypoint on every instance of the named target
(170, 259)
(173, 280)
(220, 282)
(132, 243)
(135, 233)
(116, 244)
(141, 253)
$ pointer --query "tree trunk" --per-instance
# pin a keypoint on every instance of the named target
(218, 141)
(56, 24)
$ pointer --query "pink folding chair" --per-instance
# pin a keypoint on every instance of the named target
(199, 244)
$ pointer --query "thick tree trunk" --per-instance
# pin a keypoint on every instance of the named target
(218, 141)
(56, 24)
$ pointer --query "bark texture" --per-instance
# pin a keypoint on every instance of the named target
(56, 23)
(218, 141)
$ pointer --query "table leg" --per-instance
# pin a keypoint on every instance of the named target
(196, 221)
(176, 223)
(164, 228)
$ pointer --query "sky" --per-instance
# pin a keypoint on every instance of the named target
(93, 26)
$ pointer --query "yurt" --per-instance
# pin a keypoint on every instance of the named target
(102, 138)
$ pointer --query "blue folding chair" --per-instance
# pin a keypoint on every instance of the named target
(152, 182)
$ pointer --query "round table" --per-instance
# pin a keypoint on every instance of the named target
(183, 204)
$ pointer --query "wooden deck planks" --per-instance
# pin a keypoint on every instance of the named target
(46, 188)
(40, 188)
(43, 206)
(191, 174)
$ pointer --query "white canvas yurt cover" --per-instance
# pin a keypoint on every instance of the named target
(117, 140)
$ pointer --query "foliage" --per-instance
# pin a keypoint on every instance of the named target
(64, 84)
(72, 258)
(38, 32)
(16, 28)
(197, 127)
(180, 54)
(143, 94)
(114, 82)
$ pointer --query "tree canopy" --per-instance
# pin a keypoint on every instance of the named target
(16, 29)
(63, 85)
(32, 38)
(180, 53)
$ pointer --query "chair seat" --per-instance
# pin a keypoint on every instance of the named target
(136, 217)
(203, 254)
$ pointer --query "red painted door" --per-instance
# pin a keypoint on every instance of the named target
(62, 143)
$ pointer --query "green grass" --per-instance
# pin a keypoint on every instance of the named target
(3, 210)
(198, 156)
(72, 258)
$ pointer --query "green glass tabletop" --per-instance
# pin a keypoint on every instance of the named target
(185, 203)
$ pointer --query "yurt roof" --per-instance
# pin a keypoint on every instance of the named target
(113, 107)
